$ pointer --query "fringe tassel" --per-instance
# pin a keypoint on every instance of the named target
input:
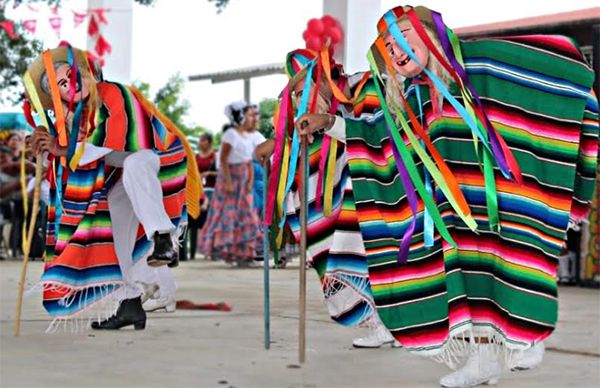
(342, 291)
(460, 345)
(105, 300)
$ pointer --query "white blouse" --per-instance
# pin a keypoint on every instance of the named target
(241, 146)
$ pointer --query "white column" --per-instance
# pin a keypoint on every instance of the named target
(359, 22)
(118, 32)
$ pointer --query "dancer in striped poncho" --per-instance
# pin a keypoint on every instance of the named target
(118, 178)
(466, 183)
(335, 249)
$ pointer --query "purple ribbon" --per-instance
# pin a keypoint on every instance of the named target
(495, 143)
(411, 196)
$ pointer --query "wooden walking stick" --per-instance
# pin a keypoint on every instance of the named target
(39, 163)
(266, 247)
(28, 239)
(303, 221)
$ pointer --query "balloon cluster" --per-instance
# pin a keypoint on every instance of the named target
(319, 31)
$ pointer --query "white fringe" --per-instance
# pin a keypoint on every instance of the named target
(458, 347)
(340, 295)
(99, 310)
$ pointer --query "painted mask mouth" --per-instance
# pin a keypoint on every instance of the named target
(404, 61)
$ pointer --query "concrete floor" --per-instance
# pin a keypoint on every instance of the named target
(225, 349)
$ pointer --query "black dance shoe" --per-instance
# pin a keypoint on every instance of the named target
(164, 252)
(130, 312)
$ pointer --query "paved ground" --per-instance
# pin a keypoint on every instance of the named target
(220, 349)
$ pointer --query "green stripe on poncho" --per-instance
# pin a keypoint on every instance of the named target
(536, 92)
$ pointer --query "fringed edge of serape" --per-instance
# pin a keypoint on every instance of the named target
(333, 285)
(458, 346)
(104, 306)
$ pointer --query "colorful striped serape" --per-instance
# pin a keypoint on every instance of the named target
(82, 267)
(536, 91)
(334, 243)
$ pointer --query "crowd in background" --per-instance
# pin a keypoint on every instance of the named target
(230, 222)
(13, 148)
(229, 226)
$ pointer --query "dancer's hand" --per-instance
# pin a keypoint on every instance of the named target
(309, 123)
(204, 205)
(228, 186)
(264, 151)
(39, 134)
(42, 141)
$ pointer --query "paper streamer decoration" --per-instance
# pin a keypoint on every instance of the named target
(99, 12)
(93, 26)
(56, 23)
(30, 25)
(9, 28)
(78, 18)
(102, 46)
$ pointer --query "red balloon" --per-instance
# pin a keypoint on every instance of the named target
(306, 35)
(315, 26)
(336, 35)
(314, 43)
(329, 21)
(331, 51)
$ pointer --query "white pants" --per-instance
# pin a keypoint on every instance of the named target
(137, 199)
(162, 276)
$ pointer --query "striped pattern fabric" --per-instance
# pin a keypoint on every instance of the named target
(367, 102)
(129, 129)
(334, 243)
(536, 92)
(82, 267)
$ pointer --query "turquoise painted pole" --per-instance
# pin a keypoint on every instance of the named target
(266, 247)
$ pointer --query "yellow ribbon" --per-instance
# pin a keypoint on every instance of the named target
(328, 189)
(34, 98)
(281, 188)
(25, 202)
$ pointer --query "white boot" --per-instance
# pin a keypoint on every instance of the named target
(482, 367)
(167, 303)
(149, 291)
(530, 358)
(377, 337)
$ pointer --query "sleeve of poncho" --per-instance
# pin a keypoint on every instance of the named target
(338, 130)
(587, 162)
(91, 153)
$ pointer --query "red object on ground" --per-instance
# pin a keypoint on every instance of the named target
(189, 305)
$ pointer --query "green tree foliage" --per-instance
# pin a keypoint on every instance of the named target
(15, 56)
(217, 140)
(143, 87)
(169, 101)
(220, 4)
(57, 2)
(266, 109)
